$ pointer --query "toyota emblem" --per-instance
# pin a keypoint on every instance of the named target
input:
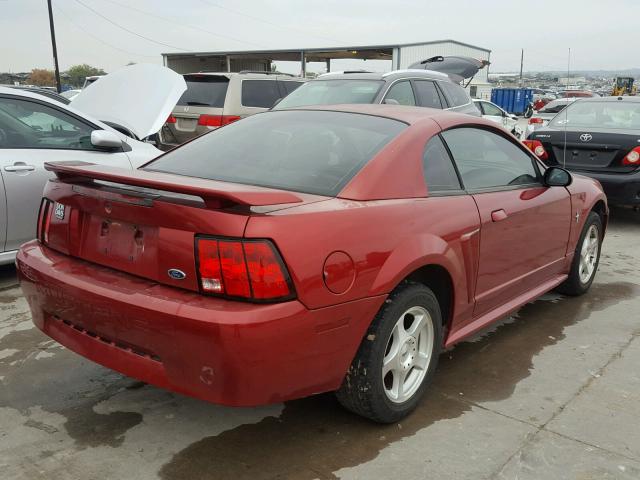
(586, 137)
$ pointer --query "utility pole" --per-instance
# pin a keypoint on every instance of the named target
(55, 50)
(521, 64)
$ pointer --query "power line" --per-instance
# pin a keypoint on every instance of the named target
(184, 25)
(67, 17)
(266, 22)
(127, 30)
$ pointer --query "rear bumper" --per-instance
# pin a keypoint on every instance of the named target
(620, 188)
(226, 352)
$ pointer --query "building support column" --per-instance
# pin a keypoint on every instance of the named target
(303, 64)
(228, 63)
(328, 62)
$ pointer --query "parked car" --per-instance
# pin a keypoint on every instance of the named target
(493, 112)
(218, 98)
(602, 138)
(303, 251)
(35, 129)
(577, 94)
(542, 117)
(423, 88)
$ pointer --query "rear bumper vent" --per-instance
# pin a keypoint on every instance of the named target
(141, 352)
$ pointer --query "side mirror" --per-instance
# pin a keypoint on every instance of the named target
(513, 117)
(105, 140)
(557, 177)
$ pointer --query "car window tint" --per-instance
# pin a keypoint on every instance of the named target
(332, 92)
(204, 91)
(490, 109)
(289, 86)
(26, 124)
(305, 151)
(486, 160)
(455, 94)
(427, 94)
(260, 93)
(402, 93)
(439, 172)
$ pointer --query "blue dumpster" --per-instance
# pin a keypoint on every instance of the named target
(513, 100)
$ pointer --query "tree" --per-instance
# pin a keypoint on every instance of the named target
(78, 73)
(42, 77)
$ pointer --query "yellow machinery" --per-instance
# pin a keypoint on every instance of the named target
(624, 86)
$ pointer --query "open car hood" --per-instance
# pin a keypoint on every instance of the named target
(138, 97)
(457, 68)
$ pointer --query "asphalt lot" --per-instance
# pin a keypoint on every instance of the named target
(551, 393)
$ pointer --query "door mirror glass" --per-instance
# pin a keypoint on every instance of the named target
(557, 177)
(105, 140)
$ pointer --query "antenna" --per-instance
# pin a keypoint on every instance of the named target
(564, 150)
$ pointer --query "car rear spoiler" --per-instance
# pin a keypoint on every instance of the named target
(214, 193)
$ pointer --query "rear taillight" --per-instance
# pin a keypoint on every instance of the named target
(44, 220)
(247, 269)
(537, 148)
(632, 158)
(216, 120)
(535, 120)
(171, 119)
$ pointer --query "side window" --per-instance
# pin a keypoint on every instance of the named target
(487, 160)
(490, 109)
(289, 86)
(27, 124)
(402, 93)
(260, 93)
(427, 94)
(439, 172)
(456, 95)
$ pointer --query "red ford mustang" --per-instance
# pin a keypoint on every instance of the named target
(304, 251)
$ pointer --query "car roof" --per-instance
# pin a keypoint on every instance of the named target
(406, 114)
(277, 75)
(388, 76)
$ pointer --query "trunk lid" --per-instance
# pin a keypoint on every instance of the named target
(589, 150)
(145, 223)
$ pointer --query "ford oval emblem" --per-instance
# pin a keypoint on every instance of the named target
(177, 274)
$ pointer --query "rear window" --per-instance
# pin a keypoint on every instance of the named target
(614, 114)
(553, 107)
(306, 151)
(332, 92)
(204, 91)
(455, 94)
(260, 93)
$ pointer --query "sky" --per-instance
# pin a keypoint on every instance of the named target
(111, 33)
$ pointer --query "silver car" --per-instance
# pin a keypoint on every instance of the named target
(423, 88)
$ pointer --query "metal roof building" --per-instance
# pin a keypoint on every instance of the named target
(400, 55)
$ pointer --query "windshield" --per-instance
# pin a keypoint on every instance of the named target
(204, 91)
(306, 151)
(614, 114)
(332, 92)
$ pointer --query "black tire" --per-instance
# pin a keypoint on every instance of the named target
(528, 113)
(363, 388)
(573, 285)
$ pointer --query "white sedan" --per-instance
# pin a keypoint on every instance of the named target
(493, 112)
(35, 129)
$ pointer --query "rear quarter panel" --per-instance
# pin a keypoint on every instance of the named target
(386, 240)
(585, 194)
